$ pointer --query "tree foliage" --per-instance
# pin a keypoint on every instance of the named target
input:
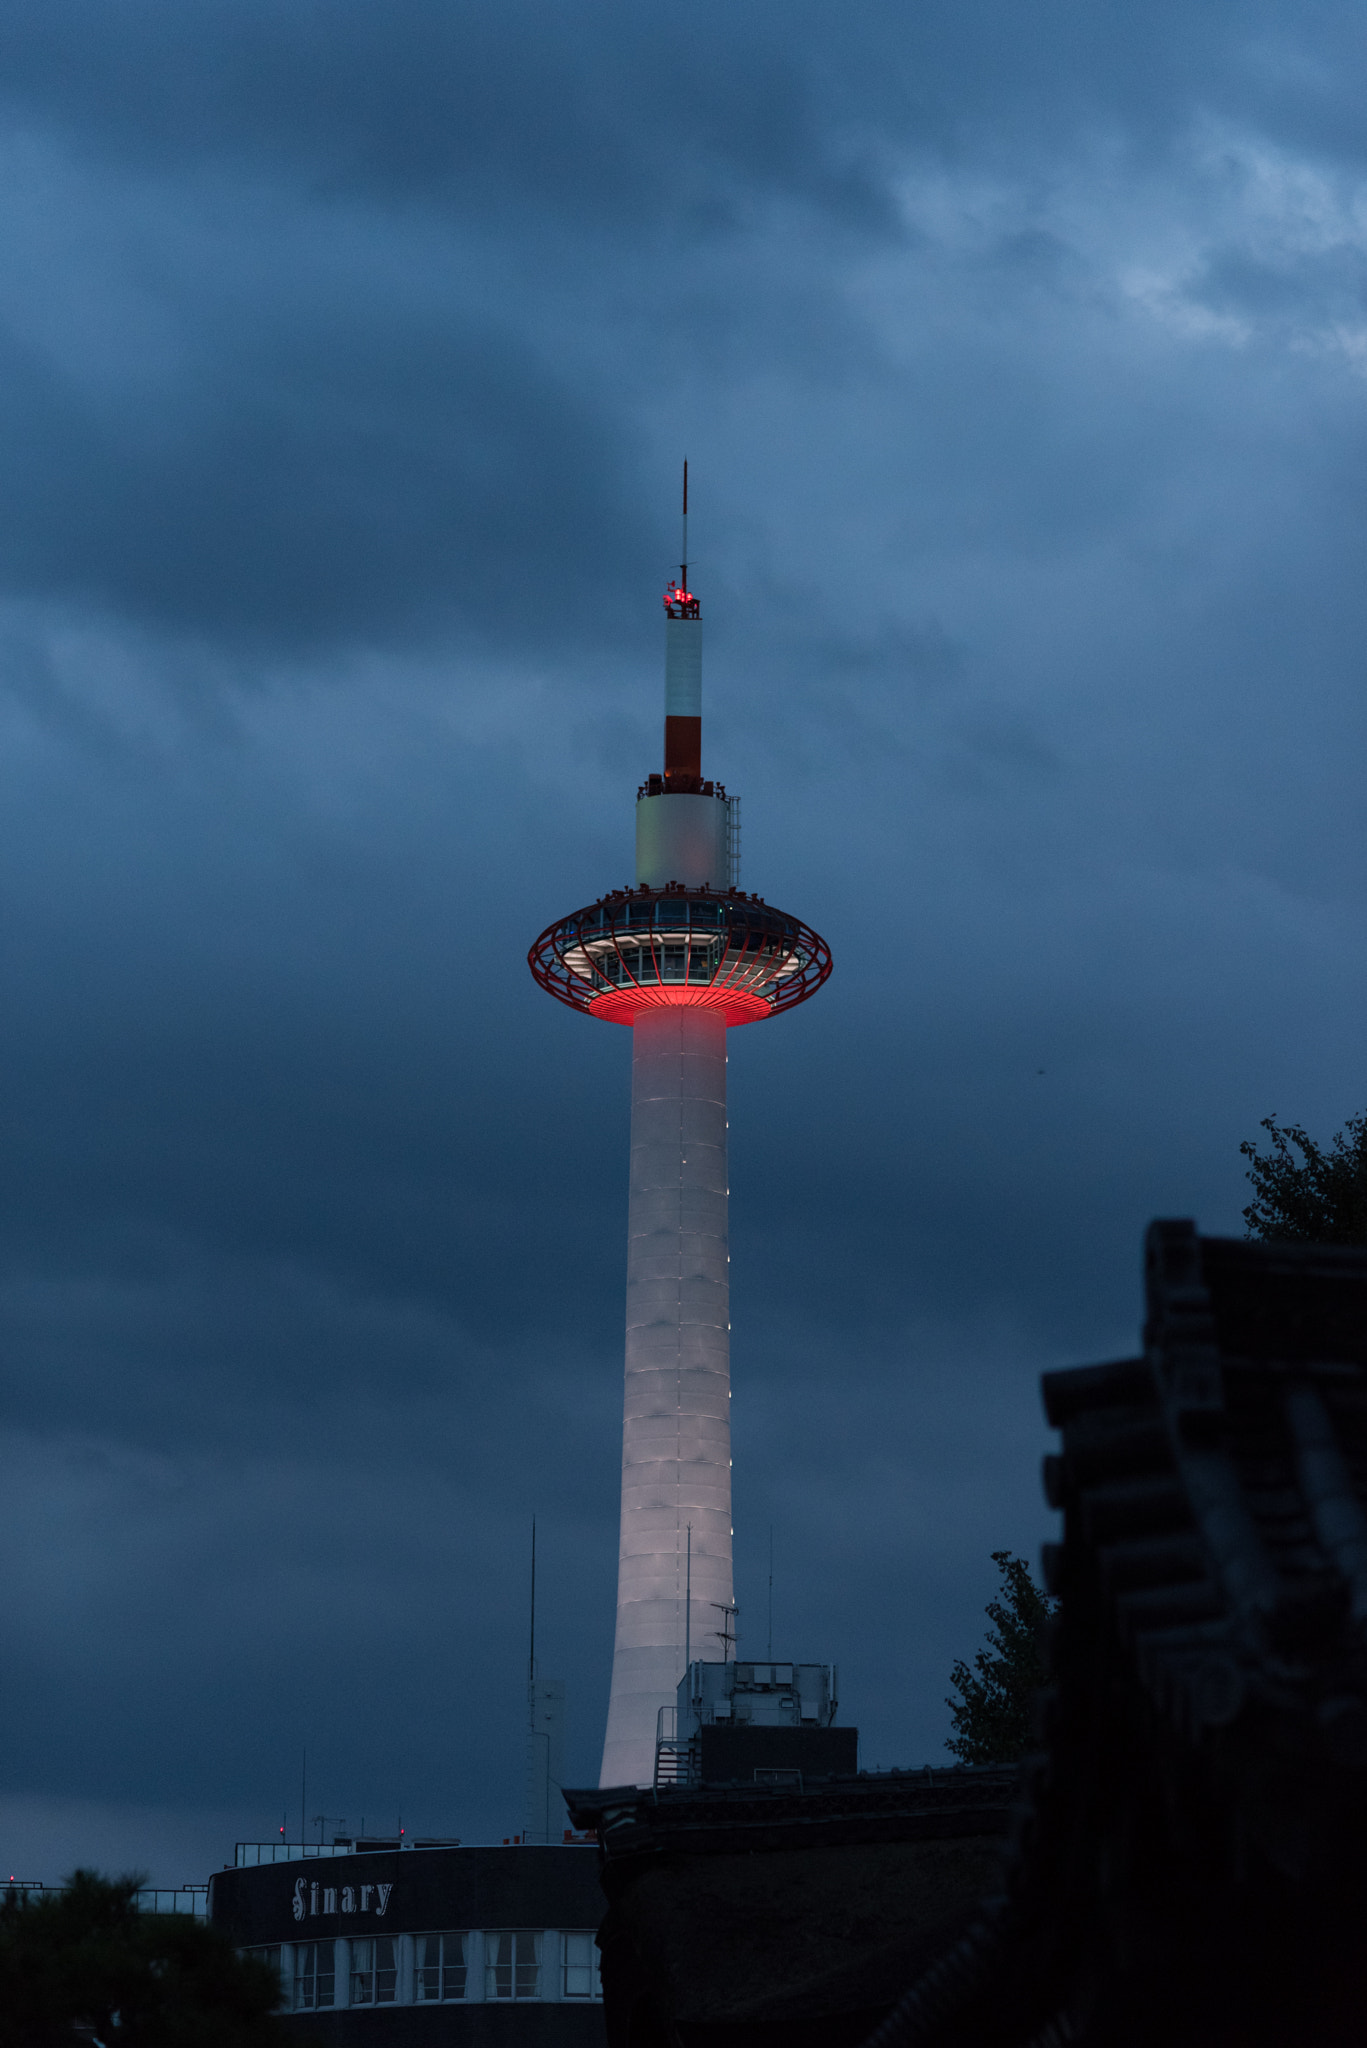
(992, 1715)
(86, 1958)
(1318, 1198)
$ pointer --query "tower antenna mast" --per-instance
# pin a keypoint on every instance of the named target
(683, 564)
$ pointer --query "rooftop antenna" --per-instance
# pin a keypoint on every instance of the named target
(683, 565)
(531, 1648)
(688, 1605)
(771, 1592)
(726, 1635)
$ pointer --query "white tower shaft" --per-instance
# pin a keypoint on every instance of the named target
(676, 1439)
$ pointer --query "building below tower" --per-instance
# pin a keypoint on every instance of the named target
(386, 1947)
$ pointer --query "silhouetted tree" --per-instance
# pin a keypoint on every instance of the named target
(1320, 1198)
(992, 1716)
(85, 1962)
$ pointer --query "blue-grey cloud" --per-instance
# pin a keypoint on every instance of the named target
(346, 364)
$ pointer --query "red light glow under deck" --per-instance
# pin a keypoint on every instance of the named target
(624, 1005)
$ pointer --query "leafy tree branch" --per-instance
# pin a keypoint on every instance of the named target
(993, 1713)
(1319, 1197)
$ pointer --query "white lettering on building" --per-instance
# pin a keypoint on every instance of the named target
(304, 1900)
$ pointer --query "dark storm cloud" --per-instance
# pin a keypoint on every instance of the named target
(618, 113)
(343, 456)
(608, 114)
(347, 357)
(319, 473)
(328, 456)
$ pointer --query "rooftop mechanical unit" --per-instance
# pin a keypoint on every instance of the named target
(754, 1724)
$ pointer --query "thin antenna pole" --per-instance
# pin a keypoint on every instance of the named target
(726, 1609)
(688, 1580)
(531, 1650)
(771, 1592)
(683, 566)
(304, 1794)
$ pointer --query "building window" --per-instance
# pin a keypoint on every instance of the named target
(372, 1972)
(441, 1965)
(313, 1975)
(512, 1965)
(581, 1967)
(271, 1958)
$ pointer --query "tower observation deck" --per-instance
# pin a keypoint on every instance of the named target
(680, 957)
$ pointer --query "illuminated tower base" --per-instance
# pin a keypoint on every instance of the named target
(676, 1436)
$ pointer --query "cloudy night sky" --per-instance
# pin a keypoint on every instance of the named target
(350, 355)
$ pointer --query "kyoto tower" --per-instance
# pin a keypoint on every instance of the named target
(679, 958)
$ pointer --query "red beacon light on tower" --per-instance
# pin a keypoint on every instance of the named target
(681, 603)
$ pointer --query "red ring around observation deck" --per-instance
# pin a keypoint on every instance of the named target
(643, 949)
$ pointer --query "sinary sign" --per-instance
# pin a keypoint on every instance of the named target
(355, 1898)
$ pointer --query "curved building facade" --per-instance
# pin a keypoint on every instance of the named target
(408, 1948)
